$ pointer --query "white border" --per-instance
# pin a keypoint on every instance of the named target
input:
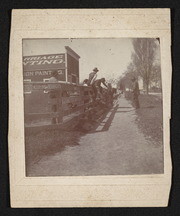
(80, 191)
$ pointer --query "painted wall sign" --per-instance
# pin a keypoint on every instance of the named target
(39, 75)
(40, 86)
(44, 62)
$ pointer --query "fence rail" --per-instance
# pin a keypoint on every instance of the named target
(54, 103)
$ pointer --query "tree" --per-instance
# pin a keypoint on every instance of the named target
(156, 76)
(128, 75)
(143, 59)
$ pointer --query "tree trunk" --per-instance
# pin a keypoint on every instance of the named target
(146, 86)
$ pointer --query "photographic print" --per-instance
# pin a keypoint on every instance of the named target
(89, 108)
(93, 106)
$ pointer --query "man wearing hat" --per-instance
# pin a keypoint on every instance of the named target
(54, 77)
(93, 76)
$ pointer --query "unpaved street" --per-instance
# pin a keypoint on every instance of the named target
(115, 147)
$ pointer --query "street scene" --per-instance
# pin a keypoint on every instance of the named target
(91, 109)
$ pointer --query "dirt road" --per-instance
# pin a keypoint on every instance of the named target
(115, 147)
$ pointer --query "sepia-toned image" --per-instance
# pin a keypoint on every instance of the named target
(92, 106)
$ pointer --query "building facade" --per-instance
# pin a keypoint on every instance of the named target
(39, 68)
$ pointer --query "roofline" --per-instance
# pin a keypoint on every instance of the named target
(72, 51)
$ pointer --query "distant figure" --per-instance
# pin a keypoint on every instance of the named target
(85, 82)
(135, 91)
(54, 77)
(97, 87)
(92, 76)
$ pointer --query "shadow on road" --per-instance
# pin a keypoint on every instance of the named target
(125, 111)
(107, 123)
(47, 143)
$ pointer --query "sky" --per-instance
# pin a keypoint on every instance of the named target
(111, 56)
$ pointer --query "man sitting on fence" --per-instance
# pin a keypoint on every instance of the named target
(92, 76)
(97, 88)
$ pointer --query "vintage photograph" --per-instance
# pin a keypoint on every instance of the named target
(92, 106)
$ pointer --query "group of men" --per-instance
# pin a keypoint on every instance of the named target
(92, 81)
(95, 83)
(97, 88)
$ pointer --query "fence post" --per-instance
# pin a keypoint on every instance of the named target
(56, 106)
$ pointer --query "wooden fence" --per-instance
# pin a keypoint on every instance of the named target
(54, 103)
